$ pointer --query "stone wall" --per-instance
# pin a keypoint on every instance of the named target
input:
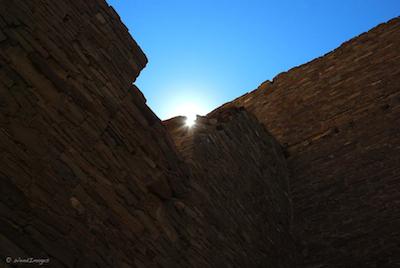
(239, 172)
(89, 176)
(86, 168)
(339, 118)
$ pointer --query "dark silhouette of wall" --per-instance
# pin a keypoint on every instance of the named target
(240, 173)
(86, 168)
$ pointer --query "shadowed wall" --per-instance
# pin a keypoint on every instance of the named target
(89, 176)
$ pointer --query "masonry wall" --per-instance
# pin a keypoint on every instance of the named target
(89, 176)
(239, 174)
(87, 171)
(339, 118)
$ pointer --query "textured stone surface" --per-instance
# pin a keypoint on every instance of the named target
(87, 170)
(89, 176)
(339, 118)
(239, 172)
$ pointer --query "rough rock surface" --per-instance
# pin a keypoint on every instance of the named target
(339, 118)
(86, 169)
(239, 172)
(89, 176)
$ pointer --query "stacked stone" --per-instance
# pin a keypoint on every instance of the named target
(239, 172)
(339, 117)
(87, 171)
(89, 175)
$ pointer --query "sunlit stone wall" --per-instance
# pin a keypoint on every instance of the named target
(339, 118)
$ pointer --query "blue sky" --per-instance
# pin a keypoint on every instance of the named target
(205, 53)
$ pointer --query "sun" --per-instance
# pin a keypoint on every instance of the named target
(190, 120)
(190, 110)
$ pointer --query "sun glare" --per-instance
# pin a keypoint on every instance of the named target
(189, 107)
(190, 120)
(190, 110)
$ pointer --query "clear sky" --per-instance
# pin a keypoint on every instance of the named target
(203, 53)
